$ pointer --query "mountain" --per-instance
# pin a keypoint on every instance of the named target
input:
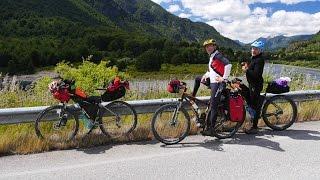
(38, 17)
(39, 33)
(311, 46)
(58, 18)
(277, 42)
(148, 17)
(239, 42)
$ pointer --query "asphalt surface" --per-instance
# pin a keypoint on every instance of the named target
(290, 154)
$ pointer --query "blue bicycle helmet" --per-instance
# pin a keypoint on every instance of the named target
(258, 44)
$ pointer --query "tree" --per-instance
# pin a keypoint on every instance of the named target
(123, 63)
(177, 59)
(135, 47)
(149, 61)
(100, 41)
(4, 59)
(170, 49)
(116, 44)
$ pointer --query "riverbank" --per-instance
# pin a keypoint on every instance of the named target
(306, 64)
(145, 81)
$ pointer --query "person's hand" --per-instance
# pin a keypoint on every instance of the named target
(219, 79)
(244, 66)
(203, 79)
(235, 85)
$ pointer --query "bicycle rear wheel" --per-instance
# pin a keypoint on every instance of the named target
(118, 119)
(57, 124)
(279, 112)
(170, 125)
(224, 127)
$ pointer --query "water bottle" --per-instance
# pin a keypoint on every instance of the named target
(251, 112)
(201, 120)
(86, 121)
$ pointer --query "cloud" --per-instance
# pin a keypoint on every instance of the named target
(260, 11)
(183, 15)
(217, 9)
(207, 2)
(274, 1)
(165, 1)
(160, 1)
(280, 22)
(173, 8)
(235, 19)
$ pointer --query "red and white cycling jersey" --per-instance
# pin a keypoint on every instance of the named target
(219, 66)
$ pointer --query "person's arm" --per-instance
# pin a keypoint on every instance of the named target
(205, 76)
(227, 71)
(227, 67)
(257, 70)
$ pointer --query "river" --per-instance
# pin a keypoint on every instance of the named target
(311, 76)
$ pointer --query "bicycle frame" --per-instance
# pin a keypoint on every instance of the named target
(189, 98)
(171, 121)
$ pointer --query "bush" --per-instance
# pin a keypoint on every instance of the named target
(123, 63)
(149, 61)
(89, 76)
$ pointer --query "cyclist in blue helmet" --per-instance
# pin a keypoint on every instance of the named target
(258, 44)
(254, 70)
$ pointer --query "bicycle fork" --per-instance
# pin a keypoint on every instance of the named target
(175, 114)
(63, 117)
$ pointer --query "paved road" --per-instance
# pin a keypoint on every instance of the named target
(291, 154)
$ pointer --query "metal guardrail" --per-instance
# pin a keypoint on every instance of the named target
(29, 114)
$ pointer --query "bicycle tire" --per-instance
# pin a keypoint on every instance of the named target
(227, 131)
(275, 101)
(171, 132)
(111, 125)
(46, 123)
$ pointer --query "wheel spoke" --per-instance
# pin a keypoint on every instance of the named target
(118, 119)
(225, 128)
(170, 124)
(56, 124)
(279, 112)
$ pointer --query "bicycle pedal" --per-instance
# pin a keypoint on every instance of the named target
(63, 122)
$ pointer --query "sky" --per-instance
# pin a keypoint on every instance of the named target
(248, 20)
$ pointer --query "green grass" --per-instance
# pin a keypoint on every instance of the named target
(184, 71)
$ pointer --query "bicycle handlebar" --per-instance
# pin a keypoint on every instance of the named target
(63, 86)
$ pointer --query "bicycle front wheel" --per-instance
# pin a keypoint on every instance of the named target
(118, 119)
(279, 112)
(57, 124)
(170, 125)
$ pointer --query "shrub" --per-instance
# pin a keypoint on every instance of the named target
(88, 75)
